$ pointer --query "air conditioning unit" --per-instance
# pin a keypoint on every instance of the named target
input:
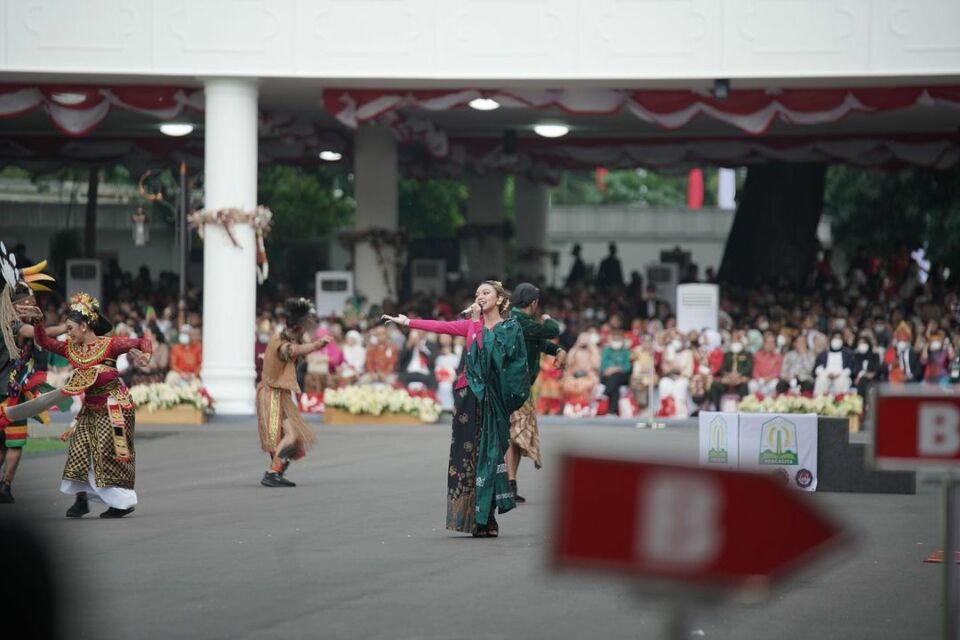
(428, 276)
(698, 307)
(334, 289)
(85, 275)
(665, 276)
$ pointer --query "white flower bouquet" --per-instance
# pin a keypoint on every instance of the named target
(377, 400)
(841, 405)
(166, 395)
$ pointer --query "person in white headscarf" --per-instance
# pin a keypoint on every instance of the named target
(354, 356)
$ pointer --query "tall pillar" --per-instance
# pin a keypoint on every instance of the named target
(229, 272)
(375, 189)
(531, 201)
(485, 246)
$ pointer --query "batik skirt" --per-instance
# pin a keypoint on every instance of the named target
(462, 470)
(524, 431)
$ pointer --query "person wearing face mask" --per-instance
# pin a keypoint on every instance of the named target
(866, 363)
(834, 367)
(901, 360)
(935, 359)
(382, 355)
(677, 369)
(615, 369)
(186, 356)
(735, 372)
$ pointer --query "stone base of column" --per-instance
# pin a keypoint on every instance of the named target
(232, 390)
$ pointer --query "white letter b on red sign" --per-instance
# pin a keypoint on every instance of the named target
(938, 429)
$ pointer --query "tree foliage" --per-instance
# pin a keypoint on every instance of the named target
(627, 186)
(879, 213)
(307, 203)
(431, 208)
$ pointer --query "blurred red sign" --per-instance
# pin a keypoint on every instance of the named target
(710, 526)
(916, 426)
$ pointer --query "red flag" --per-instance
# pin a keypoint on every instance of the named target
(695, 189)
(600, 178)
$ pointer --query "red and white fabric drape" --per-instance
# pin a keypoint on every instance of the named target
(753, 111)
(77, 111)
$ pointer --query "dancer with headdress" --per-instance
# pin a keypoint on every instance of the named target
(101, 461)
(22, 366)
(284, 435)
(494, 384)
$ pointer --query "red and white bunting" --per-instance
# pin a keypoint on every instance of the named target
(77, 111)
(753, 111)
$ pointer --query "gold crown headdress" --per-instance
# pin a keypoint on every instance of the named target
(86, 305)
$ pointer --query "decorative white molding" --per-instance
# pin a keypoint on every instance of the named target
(455, 41)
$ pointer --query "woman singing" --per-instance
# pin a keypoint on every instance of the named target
(494, 384)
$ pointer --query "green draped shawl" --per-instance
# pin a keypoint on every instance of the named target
(499, 377)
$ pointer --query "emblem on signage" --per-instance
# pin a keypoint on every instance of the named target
(778, 442)
(804, 478)
(717, 453)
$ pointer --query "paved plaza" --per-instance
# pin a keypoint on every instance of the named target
(359, 549)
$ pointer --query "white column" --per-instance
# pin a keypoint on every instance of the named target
(375, 187)
(229, 272)
(486, 251)
(727, 188)
(531, 201)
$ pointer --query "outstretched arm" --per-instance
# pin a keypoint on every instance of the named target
(453, 328)
(45, 342)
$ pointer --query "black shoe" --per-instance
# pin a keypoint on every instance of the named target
(6, 496)
(516, 497)
(285, 482)
(116, 513)
(79, 509)
(274, 479)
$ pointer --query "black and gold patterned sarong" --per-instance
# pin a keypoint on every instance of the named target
(93, 443)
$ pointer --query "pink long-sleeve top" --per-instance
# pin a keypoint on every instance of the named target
(470, 329)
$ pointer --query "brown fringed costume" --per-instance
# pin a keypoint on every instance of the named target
(276, 410)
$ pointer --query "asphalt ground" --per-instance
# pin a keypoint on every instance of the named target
(359, 549)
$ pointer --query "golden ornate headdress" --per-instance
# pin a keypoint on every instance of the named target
(86, 306)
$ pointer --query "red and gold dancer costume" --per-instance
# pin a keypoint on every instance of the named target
(101, 460)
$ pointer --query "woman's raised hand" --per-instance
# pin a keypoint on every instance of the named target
(401, 319)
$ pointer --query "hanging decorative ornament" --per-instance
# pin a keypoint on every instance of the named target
(141, 228)
(260, 219)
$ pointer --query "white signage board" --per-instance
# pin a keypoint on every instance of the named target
(698, 307)
(719, 439)
(781, 442)
(334, 289)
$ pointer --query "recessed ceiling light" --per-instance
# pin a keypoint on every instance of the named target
(330, 156)
(176, 129)
(68, 98)
(551, 130)
(484, 104)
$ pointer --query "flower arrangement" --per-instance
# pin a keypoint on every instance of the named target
(377, 400)
(166, 395)
(840, 405)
